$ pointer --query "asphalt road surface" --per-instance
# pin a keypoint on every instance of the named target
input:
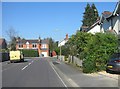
(31, 73)
(46, 72)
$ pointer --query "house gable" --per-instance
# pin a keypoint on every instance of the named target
(117, 9)
(27, 43)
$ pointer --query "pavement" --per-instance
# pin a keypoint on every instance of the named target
(100, 79)
(104, 73)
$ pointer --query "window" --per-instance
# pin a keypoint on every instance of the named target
(34, 45)
(20, 45)
(44, 46)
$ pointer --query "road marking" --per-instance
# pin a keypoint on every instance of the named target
(27, 65)
(32, 61)
(14, 65)
(24, 67)
(58, 75)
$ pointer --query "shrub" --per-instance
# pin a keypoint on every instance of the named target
(30, 53)
(95, 49)
(99, 49)
(89, 66)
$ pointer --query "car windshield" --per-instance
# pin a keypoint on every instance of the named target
(115, 56)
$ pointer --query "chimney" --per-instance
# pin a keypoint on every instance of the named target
(66, 37)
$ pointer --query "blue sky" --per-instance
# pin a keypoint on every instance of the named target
(46, 19)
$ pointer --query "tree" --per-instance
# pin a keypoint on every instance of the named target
(86, 17)
(90, 15)
(53, 46)
(12, 34)
(13, 44)
(95, 13)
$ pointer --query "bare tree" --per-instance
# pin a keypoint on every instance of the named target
(12, 35)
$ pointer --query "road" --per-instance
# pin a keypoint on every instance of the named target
(31, 73)
(46, 72)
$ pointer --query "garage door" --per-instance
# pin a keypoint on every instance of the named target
(45, 54)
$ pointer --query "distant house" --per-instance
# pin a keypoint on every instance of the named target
(35, 44)
(44, 48)
(61, 43)
(3, 44)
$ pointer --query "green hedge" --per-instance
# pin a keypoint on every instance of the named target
(94, 50)
(30, 53)
(89, 66)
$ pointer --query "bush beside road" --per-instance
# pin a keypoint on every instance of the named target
(95, 74)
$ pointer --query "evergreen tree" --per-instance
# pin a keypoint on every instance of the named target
(87, 15)
(90, 15)
(95, 13)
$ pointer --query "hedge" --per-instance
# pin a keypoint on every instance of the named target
(30, 53)
(94, 50)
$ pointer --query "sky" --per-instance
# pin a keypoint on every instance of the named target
(46, 19)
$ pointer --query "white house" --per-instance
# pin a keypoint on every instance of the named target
(116, 18)
(111, 21)
(61, 43)
(95, 28)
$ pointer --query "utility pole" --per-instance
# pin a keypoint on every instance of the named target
(60, 52)
(59, 45)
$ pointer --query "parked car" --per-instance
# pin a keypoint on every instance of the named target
(113, 64)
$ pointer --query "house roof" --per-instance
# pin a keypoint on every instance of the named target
(30, 41)
(96, 23)
(117, 9)
(106, 14)
(45, 41)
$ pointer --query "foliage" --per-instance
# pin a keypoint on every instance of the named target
(53, 46)
(12, 35)
(94, 50)
(95, 13)
(4, 50)
(57, 50)
(30, 53)
(13, 44)
(65, 51)
(118, 43)
(90, 15)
